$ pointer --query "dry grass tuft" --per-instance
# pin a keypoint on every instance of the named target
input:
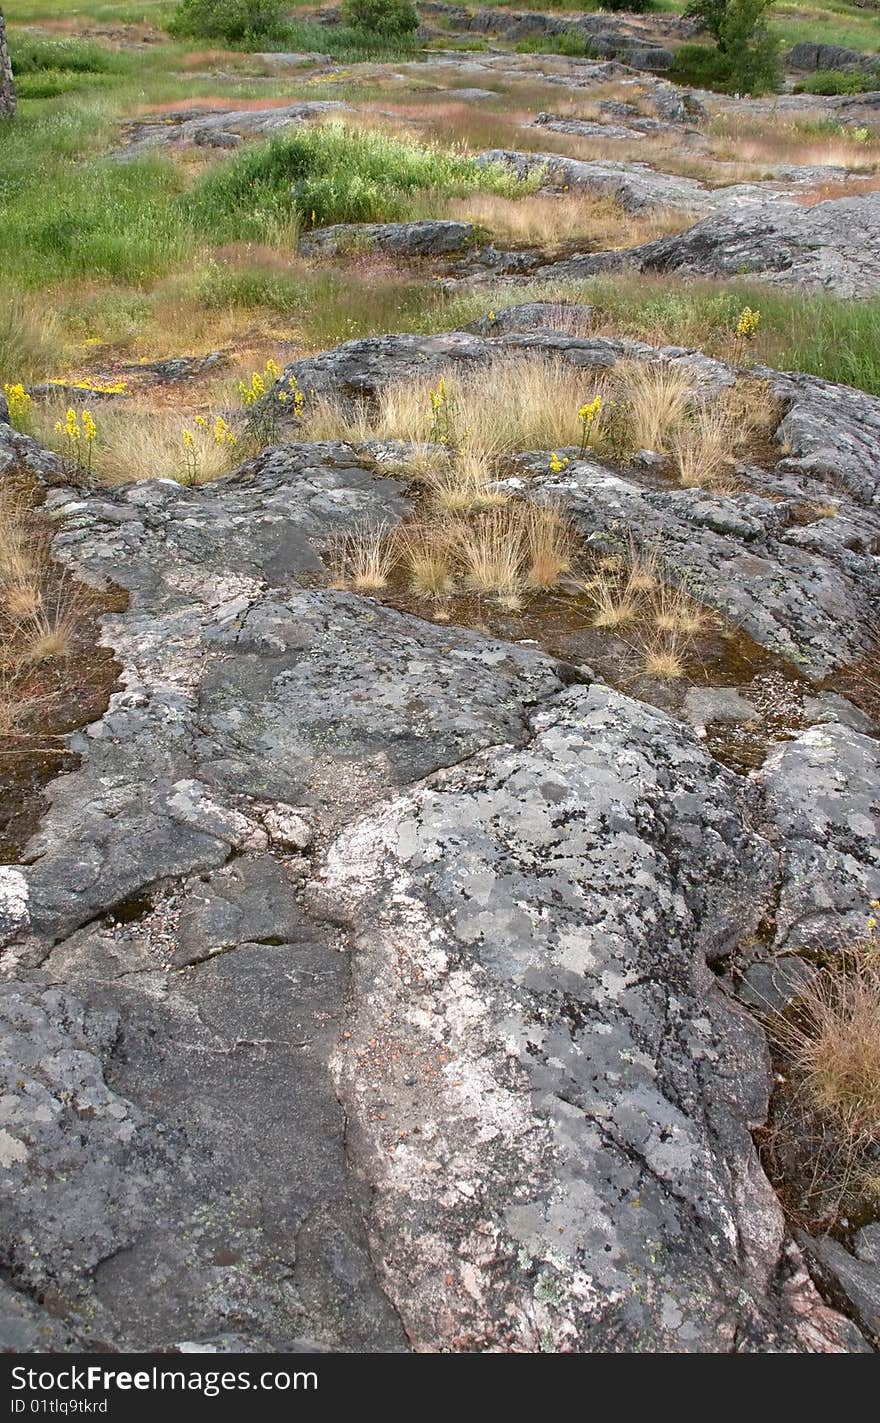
(832, 1041)
(650, 403)
(491, 555)
(137, 441)
(549, 544)
(615, 606)
(426, 551)
(554, 222)
(664, 661)
(675, 612)
(463, 482)
(516, 403)
(363, 559)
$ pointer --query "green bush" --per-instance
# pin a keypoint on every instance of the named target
(384, 17)
(329, 174)
(232, 21)
(838, 81)
(749, 55)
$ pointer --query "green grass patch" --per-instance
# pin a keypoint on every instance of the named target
(329, 174)
(569, 42)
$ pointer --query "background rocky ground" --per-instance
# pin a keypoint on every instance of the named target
(377, 984)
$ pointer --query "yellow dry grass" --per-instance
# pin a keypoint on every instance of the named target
(832, 1040)
(551, 222)
(136, 440)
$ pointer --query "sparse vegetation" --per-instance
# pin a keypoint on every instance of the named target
(824, 1131)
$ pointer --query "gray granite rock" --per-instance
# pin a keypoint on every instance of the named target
(831, 245)
(857, 1281)
(402, 239)
(822, 794)
(535, 1015)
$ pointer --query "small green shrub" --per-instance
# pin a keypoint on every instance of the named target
(249, 22)
(384, 17)
(838, 81)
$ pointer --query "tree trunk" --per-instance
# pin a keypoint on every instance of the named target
(7, 86)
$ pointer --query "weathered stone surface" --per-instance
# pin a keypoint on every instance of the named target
(524, 1121)
(536, 1016)
(639, 188)
(217, 125)
(822, 795)
(833, 245)
(807, 55)
(401, 239)
(803, 591)
(857, 1281)
(145, 1143)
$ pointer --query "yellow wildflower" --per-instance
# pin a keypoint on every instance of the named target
(19, 403)
(222, 433)
(748, 323)
(71, 425)
(588, 414)
(557, 464)
(188, 439)
(90, 429)
(201, 422)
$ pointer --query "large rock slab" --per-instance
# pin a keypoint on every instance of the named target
(402, 239)
(562, 1158)
(804, 591)
(822, 796)
(832, 245)
(222, 128)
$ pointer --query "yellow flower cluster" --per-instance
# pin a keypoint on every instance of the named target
(293, 394)
(99, 387)
(557, 465)
(73, 430)
(748, 323)
(253, 390)
(588, 415)
(194, 445)
(78, 428)
(438, 396)
(19, 403)
(443, 412)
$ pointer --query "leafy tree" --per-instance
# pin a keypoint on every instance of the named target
(7, 87)
(747, 59)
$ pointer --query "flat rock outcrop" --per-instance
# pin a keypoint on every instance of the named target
(451, 901)
(428, 238)
(832, 245)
